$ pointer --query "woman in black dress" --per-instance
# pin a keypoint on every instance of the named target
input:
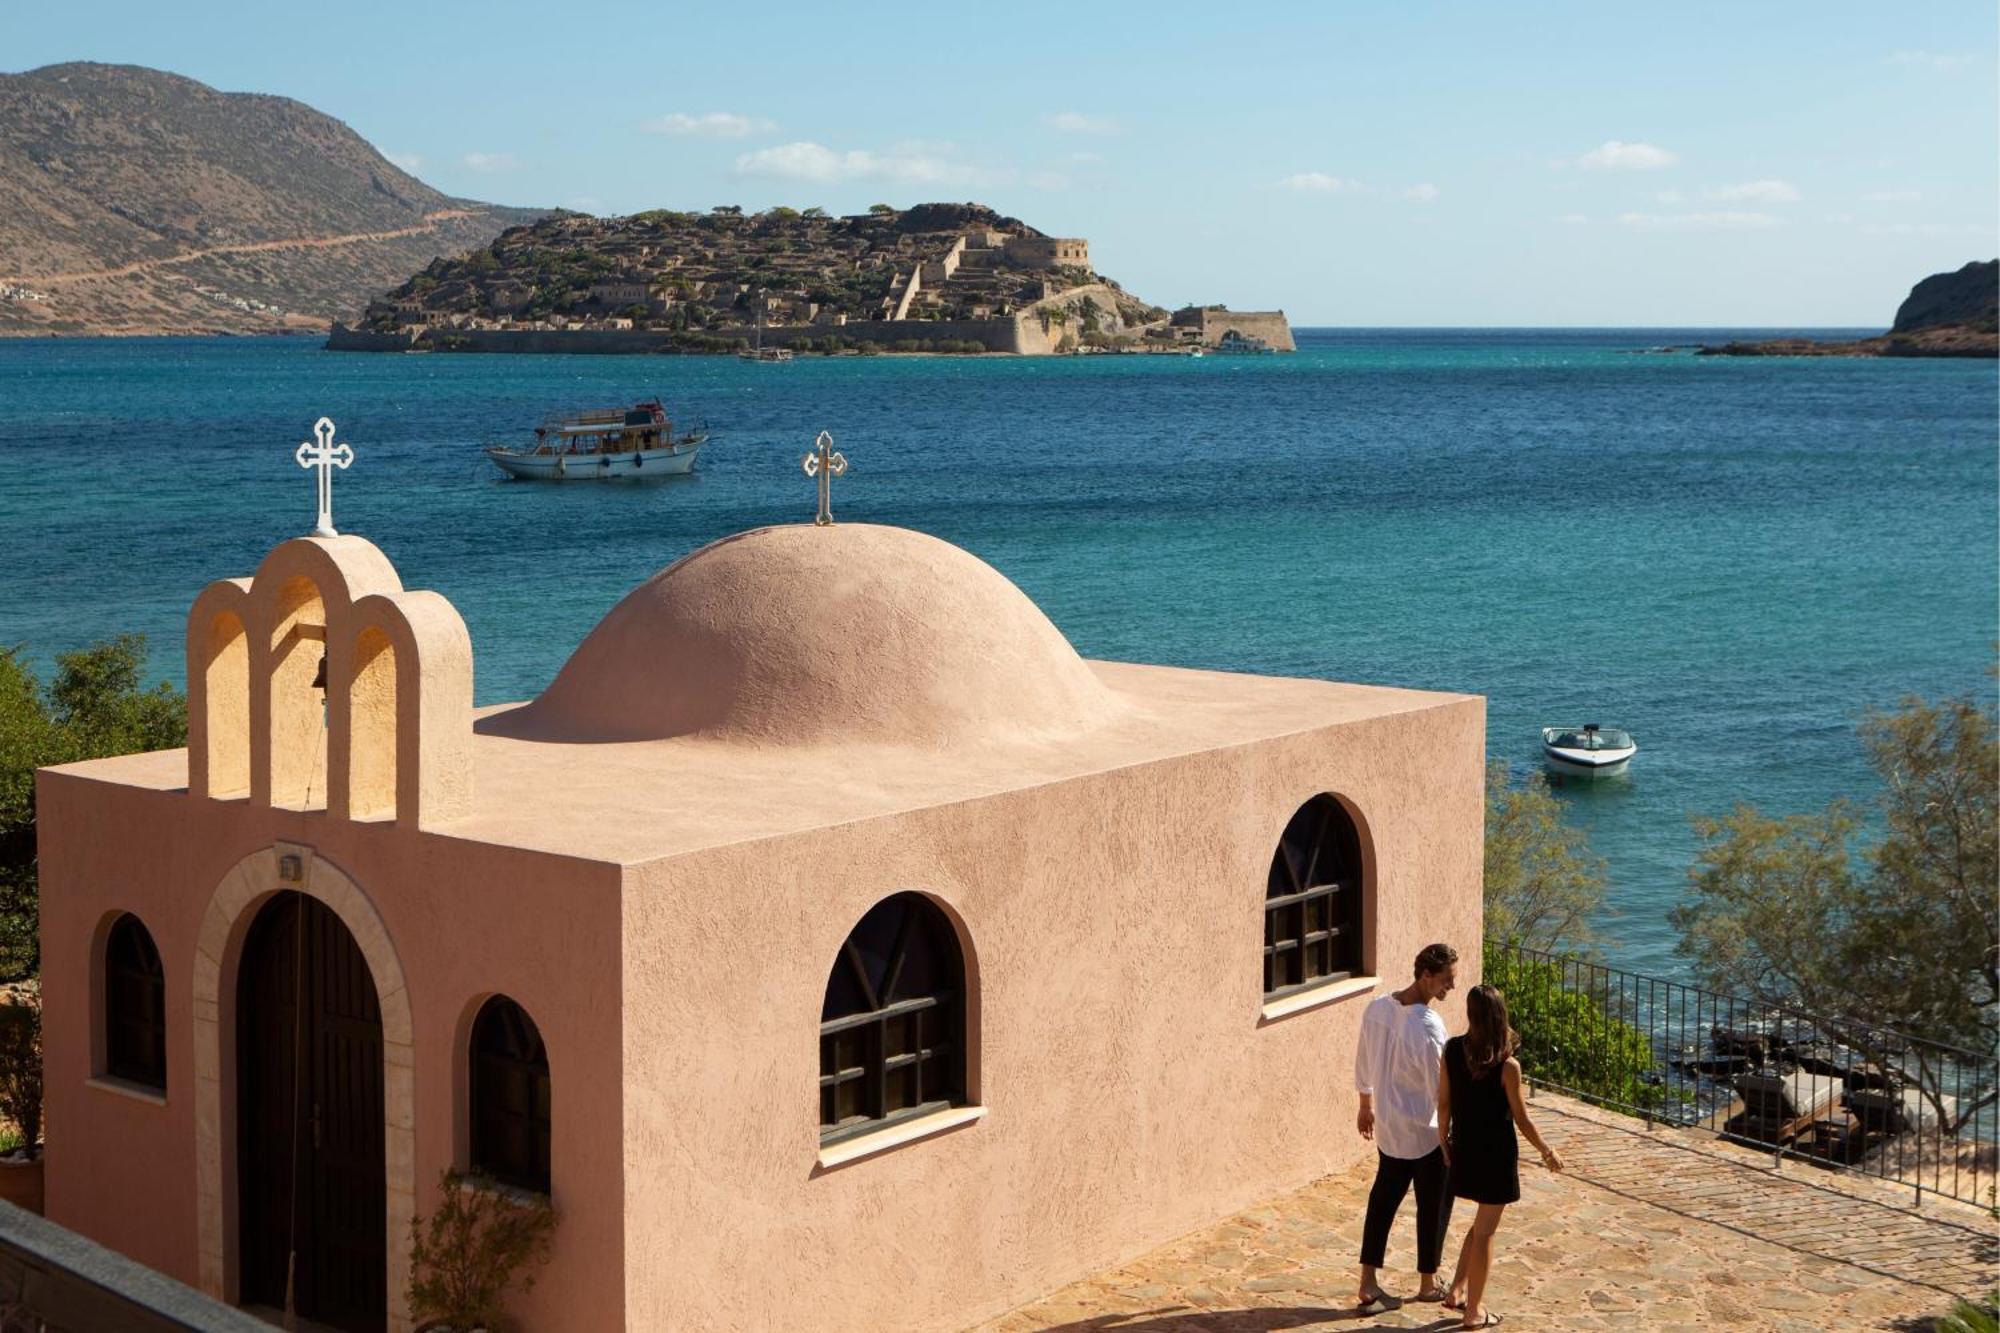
(1479, 1105)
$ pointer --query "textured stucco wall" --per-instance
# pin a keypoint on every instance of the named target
(1133, 1091)
(466, 920)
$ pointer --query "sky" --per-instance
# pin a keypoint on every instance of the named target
(1410, 163)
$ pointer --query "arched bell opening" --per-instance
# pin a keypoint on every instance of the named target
(297, 686)
(225, 672)
(371, 715)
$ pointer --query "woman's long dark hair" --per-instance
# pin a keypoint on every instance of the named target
(1488, 1038)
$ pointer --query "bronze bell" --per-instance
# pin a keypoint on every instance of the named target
(319, 677)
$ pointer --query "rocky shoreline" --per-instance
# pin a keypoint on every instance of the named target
(1954, 341)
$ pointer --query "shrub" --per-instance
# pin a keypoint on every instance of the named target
(465, 1255)
(1966, 1317)
(1570, 1038)
(21, 1066)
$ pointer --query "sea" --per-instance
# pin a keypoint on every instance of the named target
(1735, 559)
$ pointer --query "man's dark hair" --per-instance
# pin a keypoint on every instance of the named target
(1435, 958)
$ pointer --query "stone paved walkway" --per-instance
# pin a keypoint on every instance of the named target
(1663, 1230)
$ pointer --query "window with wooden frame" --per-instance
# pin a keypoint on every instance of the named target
(892, 1029)
(1312, 902)
(509, 1093)
(135, 1005)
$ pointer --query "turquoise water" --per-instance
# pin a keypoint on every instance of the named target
(1732, 558)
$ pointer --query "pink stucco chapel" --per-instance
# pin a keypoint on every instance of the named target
(830, 942)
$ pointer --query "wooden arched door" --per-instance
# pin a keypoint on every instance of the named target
(310, 1156)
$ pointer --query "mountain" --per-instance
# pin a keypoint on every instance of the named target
(143, 202)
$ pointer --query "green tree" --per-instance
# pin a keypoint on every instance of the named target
(93, 707)
(1543, 883)
(882, 210)
(1903, 934)
(815, 213)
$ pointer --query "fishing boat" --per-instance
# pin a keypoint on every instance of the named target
(1589, 751)
(636, 443)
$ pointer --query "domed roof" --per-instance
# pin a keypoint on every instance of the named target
(801, 634)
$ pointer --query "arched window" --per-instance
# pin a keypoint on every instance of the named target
(1312, 903)
(892, 1030)
(510, 1096)
(135, 1005)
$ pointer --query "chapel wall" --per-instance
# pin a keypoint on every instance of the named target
(1133, 1092)
(464, 920)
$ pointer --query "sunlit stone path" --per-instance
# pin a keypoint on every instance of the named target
(1660, 1230)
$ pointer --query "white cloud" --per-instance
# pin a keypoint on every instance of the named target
(1927, 229)
(1614, 155)
(1891, 196)
(1840, 219)
(1940, 60)
(1574, 220)
(1755, 192)
(410, 162)
(1671, 197)
(1076, 122)
(1700, 221)
(492, 161)
(1318, 182)
(1422, 194)
(709, 125)
(820, 165)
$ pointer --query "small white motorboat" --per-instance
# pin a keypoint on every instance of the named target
(1589, 751)
(616, 444)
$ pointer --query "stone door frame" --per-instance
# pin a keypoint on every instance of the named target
(218, 954)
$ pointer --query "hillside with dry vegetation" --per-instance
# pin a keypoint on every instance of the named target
(143, 202)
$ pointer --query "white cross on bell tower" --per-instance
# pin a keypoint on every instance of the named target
(321, 452)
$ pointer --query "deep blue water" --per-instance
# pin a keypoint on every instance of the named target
(1733, 558)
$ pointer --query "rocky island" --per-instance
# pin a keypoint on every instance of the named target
(936, 277)
(1947, 314)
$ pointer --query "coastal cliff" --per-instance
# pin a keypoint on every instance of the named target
(1947, 314)
(937, 277)
(142, 202)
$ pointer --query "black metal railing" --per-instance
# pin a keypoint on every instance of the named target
(1832, 1090)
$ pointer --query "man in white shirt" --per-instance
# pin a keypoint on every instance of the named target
(1396, 1073)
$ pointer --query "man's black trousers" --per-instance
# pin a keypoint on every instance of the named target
(1393, 1176)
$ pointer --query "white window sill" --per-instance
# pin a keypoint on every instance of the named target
(138, 1092)
(1332, 992)
(500, 1189)
(923, 1127)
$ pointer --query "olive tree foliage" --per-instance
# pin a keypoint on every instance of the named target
(1543, 883)
(1902, 933)
(94, 706)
